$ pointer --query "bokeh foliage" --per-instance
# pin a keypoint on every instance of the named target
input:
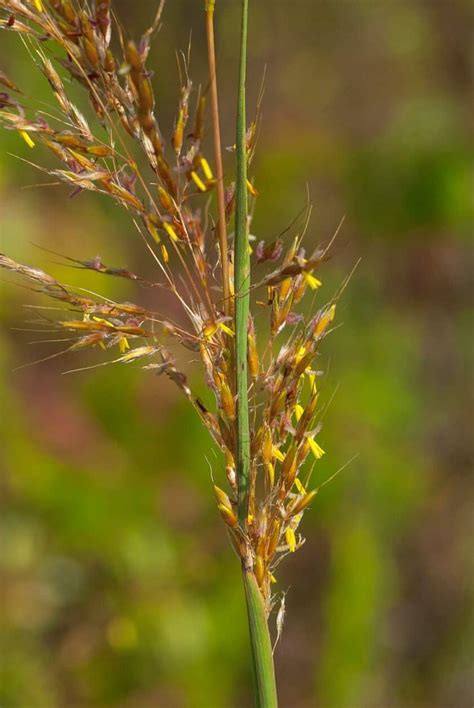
(118, 585)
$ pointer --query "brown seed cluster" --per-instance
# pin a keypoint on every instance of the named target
(161, 187)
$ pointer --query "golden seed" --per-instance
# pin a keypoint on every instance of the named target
(304, 502)
(259, 570)
(274, 538)
(222, 497)
(91, 52)
(324, 321)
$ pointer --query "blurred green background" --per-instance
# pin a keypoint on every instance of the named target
(118, 585)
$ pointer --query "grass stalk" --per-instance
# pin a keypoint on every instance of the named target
(242, 286)
(216, 136)
(262, 656)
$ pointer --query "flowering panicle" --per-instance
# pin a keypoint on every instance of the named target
(163, 197)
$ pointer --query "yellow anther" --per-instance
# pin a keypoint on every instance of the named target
(300, 354)
(312, 382)
(313, 282)
(290, 539)
(198, 182)
(209, 330)
(226, 329)
(164, 253)
(271, 474)
(299, 410)
(277, 454)
(170, 231)
(154, 232)
(123, 344)
(206, 169)
(316, 449)
(102, 321)
(251, 189)
(27, 138)
(299, 486)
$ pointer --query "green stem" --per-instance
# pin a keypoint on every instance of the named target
(262, 655)
(242, 287)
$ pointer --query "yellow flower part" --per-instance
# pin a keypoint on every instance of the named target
(209, 330)
(290, 539)
(304, 501)
(228, 515)
(27, 138)
(312, 382)
(313, 282)
(299, 486)
(271, 473)
(38, 5)
(81, 159)
(324, 321)
(259, 569)
(198, 182)
(267, 446)
(164, 253)
(226, 329)
(317, 451)
(170, 231)
(277, 454)
(300, 354)
(299, 410)
(206, 169)
(285, 288)
(251, 189)
(123, 344)
(222, 497)
(272, 578)
(102, 321)
(165, 199)
(154, 233)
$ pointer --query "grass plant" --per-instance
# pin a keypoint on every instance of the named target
(266, 417)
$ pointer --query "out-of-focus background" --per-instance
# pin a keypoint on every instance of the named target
(118, 586)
